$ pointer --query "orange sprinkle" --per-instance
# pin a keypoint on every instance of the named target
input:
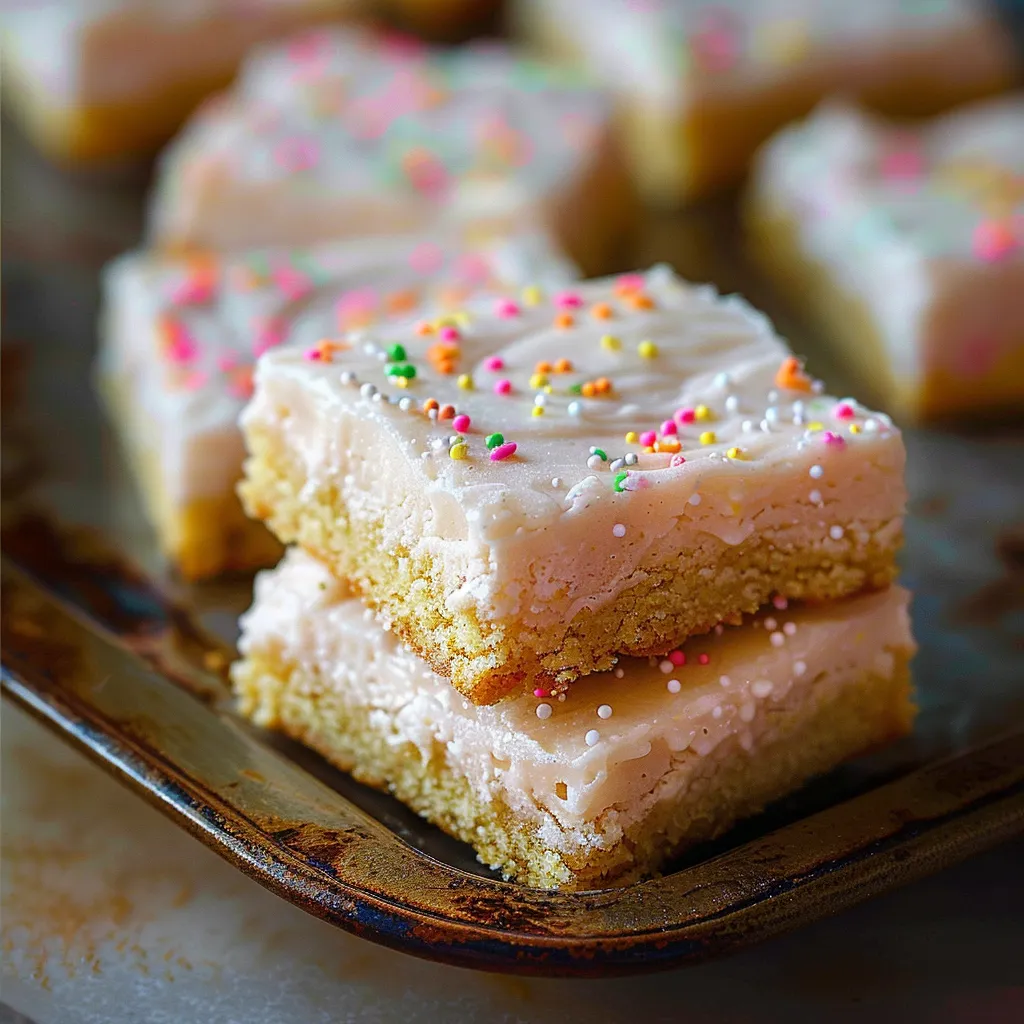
(326, 347)
(565, 320)
(588, 390)
(563, 366)
(443, 351)
(446, 412)
(424, 328)
(626, 287)
(542, 367)
(601, 311)
(791, 375)
(402, 301)
(667, 444)
(431, 404)
(638, 300)
(602, 385)
(445, 366)
(453, 296)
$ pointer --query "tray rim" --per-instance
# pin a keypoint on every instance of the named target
(866, 865)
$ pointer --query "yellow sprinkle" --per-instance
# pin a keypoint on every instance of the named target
(815, 426)
(610, 342)
(855, 428)
(702, 413)
(465, 382)
(459, 451)
(632, 437)
(445, 321)
(531, 295)
(736, 453)
(538, 380)
(400, 382)
(548, 389)
(538, 410)
(647, 349)
(708, 437)
(462, 318)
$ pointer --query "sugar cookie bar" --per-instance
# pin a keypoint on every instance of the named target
(100, 80)
(702, 85)
(180, 338)
(906, 245)
(348, 132)
(604, 787)
(529, 489)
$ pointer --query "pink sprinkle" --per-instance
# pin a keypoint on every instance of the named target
(993, 241)
(461, 423)
(195, 380)
(194, 291)
(448, 334)
(473, 268)
(703, 659)
(226, 362)
(293, 284)
(843, 411)
(685, 416)
(541, 693)
(268, 336)
(780, 602)
(630, 282)
(903, 164)
(183, 348)
(669, 427)
(568, 300)
(503, 387)
(678, 658)
(506, 308)
(648, 437)
(312, 355)
(676, 460)
(426, 258)
(494, 363)
(503, 451)
(297, 154)
(833, 440)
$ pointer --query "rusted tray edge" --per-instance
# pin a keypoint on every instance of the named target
(864, 866)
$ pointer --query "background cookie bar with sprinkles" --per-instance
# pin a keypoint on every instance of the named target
(534, 486)
(907, 246)
(180, 338)
(602, 786)
(341, 133)
(703, 84)
(102, 80)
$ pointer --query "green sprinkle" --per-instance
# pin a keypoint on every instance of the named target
(600, 453)
(619, 480)
(493, 440)
(396, 353)
(406, 370)
(575, 389)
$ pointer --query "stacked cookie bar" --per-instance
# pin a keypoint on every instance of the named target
(582, 575)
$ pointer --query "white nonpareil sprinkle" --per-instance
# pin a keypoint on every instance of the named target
(619, 530)
(722, 380)
(543, 711)
(789, 629)
(694, 499)
(732, 403)
(835, 532)
(347, 377)
(815, 497)
(604, 711)
(770, 624)
(619, 673)
(816, 472)
(716, 711)
(761, 688)
(747, 426)
(574, 408)
(556, 481)
(595, 462)
(367, 390)
(725, 681)
(561, 697)
(799, 668)
(592, 737)
(666, 666)
(777, 639)
(673, 686)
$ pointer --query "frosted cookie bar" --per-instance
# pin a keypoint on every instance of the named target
(180, 338)
(532, 487)
(340, 133)
(603, 787)
(907, 246)
(702, 84)
(98, 80)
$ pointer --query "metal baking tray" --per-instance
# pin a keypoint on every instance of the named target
(129, 664)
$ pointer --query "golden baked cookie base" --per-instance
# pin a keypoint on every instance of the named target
(807, 736)
(845, 318)
(490, 660)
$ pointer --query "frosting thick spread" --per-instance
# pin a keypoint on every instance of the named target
(182, 336)
(901, 215)
(614, 745)
(545, 447)
(348, 131)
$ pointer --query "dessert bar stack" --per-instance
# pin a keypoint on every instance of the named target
(583, 575)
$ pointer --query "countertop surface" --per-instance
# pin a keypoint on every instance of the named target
(111, 913)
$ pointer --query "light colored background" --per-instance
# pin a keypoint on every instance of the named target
(111, 914)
